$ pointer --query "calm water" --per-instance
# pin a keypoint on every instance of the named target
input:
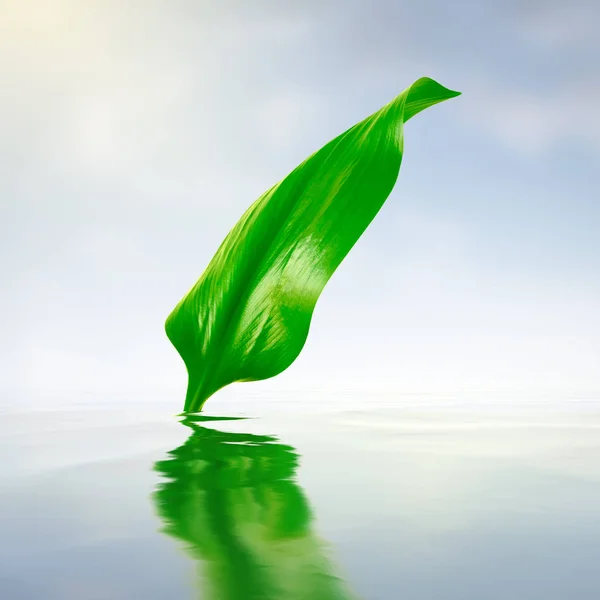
(308, 499)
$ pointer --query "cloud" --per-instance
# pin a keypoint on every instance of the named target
(548, 98)
(554, 25)
(535, 122)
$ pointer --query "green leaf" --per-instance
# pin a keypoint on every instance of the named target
(247, 317)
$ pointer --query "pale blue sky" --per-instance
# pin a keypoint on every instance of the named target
(134, 134)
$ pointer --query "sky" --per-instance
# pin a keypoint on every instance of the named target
(134, 134)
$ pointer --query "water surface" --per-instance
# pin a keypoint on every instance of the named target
(373, 498)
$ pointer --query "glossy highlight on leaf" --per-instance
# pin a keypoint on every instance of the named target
(247, 317)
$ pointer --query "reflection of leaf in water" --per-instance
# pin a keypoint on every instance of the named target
(232, 499)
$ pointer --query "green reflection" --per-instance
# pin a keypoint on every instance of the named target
(233, 500)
